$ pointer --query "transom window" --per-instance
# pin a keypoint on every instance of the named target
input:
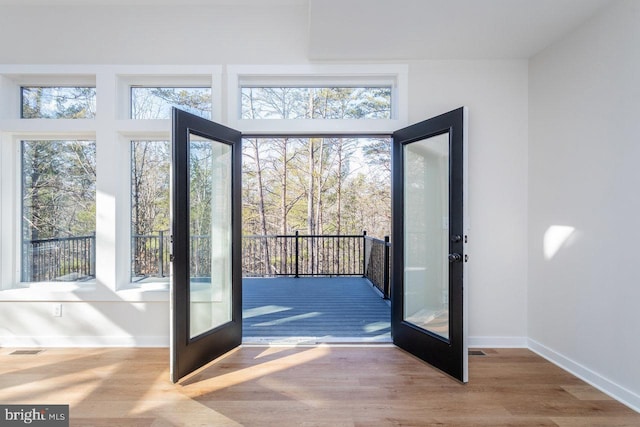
(316, 102)
(56, 102)
(156, 102)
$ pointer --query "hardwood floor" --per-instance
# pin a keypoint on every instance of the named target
(305, 386)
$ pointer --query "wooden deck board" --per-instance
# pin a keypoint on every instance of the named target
(305, 386)
(314, 309)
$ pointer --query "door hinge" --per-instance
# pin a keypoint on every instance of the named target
(171, 258)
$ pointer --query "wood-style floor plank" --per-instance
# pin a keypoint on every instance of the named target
(306, 386)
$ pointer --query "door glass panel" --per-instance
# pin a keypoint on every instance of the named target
(426, 235)
(210, 167)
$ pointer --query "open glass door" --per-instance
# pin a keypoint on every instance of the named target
(429, 235)
(206, 225)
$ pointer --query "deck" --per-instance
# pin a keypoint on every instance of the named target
(313, 310)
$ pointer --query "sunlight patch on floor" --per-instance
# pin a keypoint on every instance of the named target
(261, 311)
(376, 326)
(224, 381)
(290, 319)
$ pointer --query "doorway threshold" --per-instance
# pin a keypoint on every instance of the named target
(309, 340)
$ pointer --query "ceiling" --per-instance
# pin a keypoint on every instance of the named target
(441, 29)
(152, 2)
(409, 29)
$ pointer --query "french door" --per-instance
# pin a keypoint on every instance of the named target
(428, 232)
(427, 315)
(206, 293)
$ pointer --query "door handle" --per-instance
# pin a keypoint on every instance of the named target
(455, 257)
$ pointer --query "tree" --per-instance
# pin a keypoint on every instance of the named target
(58, 102)
(58, 188)
(156, 102)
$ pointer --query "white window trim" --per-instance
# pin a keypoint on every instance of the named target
(11, 271)
(112, 127)
(209, 79)
(300, 75)
(125, 231)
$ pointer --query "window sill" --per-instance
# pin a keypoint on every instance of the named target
(86, 292)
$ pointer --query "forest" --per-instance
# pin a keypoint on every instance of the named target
(330, 185)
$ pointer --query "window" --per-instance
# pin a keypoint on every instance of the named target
(156, 102)
(41, 102)
(150, 239)
(58, 210)
(151, 98)
(317, 99)
(50, 139)
(316, 102)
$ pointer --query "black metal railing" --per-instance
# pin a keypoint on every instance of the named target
(59, 259)
(73, 258)
(377, 264)
(150, 254)
(303, 255)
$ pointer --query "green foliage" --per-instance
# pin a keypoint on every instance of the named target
(58, 188)
(150, 162)
(201, 187)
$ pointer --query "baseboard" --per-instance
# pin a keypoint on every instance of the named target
(84, 341)
(163, 341)
(497, 342)
(621, 394)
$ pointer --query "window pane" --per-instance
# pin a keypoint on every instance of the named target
(58, 102)
(210, 224)
(426, 234)
(58, 210)
(316, 103)
(150, 239)
(156, 102)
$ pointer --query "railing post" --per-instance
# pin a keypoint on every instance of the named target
(385, 273)
(297, 234)
(92, 268)
(364, 253)
(161, 254)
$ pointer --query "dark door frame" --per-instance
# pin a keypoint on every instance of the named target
(448, 354)
(190, 353)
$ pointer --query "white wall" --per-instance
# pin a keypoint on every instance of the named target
(494, 91)
(152, 35)
(584, 148)
(496, 94)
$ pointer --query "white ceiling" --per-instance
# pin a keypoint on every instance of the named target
(441, 29)
(153, 2)
(411, 29)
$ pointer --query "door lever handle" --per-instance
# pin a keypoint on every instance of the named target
(455, 257)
